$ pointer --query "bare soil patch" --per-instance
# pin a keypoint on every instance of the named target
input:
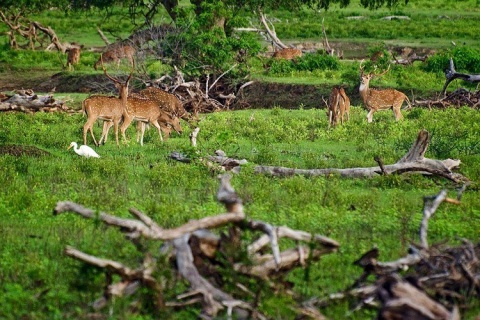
(17, 151)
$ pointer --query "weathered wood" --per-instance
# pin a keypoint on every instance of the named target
(451, 74)
(413, 161)
(28, 101)
(193, 246)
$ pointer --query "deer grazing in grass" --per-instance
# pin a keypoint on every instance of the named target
(115, 53)
(338, 106)
(167, 102)
(375, 100)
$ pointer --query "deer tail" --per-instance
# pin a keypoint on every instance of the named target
(408, 103)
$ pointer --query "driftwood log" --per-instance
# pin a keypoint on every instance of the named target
(413, 161)
(27, 101)
(194, 247)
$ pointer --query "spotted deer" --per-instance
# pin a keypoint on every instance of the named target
(375, 100)
(105, 108)
(167, 102)
(115, 53)
(166, 122)
(338, 106)
(333, 105)
(344, 105)
(287, 53)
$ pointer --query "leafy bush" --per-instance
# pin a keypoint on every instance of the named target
(464, 58)
(308, 62)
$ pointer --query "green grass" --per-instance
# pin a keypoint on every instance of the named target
(386, 210)
(383, 211)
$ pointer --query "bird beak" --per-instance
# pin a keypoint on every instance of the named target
(69, 147)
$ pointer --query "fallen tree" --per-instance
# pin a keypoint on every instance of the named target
(413, 161)
(27, 101)
(196, 250)
(451, 74)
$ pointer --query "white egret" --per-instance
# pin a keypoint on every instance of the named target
(84, 151)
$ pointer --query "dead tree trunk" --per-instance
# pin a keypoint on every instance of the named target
(413, 161)
(451, 75)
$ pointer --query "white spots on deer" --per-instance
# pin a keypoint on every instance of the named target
(375, 100)
(287, 53)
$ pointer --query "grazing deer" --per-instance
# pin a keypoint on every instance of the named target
(338, 106)
(287, 53)
(375, 100)
(166, 122)
(332, 105)
(115, 53)
(167, 102)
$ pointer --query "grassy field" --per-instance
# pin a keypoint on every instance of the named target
(37, 281)
(387, 210)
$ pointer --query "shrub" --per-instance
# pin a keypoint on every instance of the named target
(464, 58)
(308, 62)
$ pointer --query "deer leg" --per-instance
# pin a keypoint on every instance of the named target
(126, 122)
(89, 126)
(140, 131)
(370, 115)
(106, 127)
(155, 123)
(397, 112)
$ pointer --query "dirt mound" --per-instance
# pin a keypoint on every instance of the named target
(17, 151)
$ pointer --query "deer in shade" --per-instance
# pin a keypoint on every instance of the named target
(376, 100)
(115, 53)
(287, 53)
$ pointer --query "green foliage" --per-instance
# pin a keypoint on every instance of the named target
(308, 62)
(465, 59)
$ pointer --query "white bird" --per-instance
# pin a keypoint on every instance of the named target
(84, 151)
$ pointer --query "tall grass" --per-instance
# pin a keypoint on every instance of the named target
(384, 211)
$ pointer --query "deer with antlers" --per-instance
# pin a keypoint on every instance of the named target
(105, 108)
(385, 99)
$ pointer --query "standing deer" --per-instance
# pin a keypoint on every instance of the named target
(115, 53)
(287, 53)
(338, 106)
(73, 57)
(375, 100)
(105, 108)
(344, 105)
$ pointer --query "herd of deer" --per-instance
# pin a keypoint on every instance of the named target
(374, 100)
(163, 109)
(152, 105)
